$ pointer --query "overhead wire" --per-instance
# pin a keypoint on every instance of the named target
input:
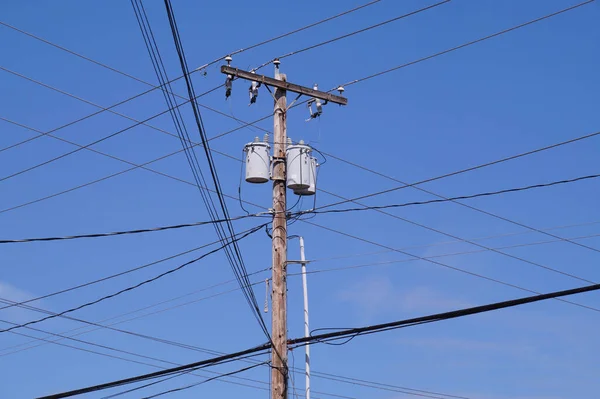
(368, 28)
(132, 287)
(104, 138)
(319, 338)
(394, 261)
(100, 325)
(234, 254)
(468, 206)
(129, 232)
(445, 265)
(470, 43)
(199, 349)
(119, 274)
(205, 381)
(315, 373)
(319, 210)
(481, 238)
(405, 65)
(316, 210)
(153, 87)
(354, 332)
(134, 167)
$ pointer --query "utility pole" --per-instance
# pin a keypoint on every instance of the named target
(279, 370)
(306, 327)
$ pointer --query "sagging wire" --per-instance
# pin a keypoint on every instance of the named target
(240, 185)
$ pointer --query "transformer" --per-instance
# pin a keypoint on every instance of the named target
(312, 179)
(298, 166)
(258, 161)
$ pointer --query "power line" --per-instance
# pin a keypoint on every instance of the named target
(469, 43)
(421, 189)
(494, 215)
(130, 288)
(380, 24)
(234, 254)
(321, 375)
(109, 277)
(482, 238)
(354, 332)
(451, 199)
(379, 209)
(203, 363)
(127, 232)
(97, 141)
(470, 169)
(315, 211)
(153, 87)
(458, 269)
(205, 381)
(111, 348)
(134, 167)
(320, 338)
(389, 262)
(395, 68)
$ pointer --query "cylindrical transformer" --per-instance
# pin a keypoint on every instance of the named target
(298, 167)
(258, 163)
(312, 178)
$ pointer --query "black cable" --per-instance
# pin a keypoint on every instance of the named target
(440, 316)
(130, 288)
(126, 232)
(135, 166)
(99, 325)
(179, 124)
(205, 381)
(241, 182)
(109, 277)
(336, 335)
(471, 42)
(356, 32)
(200, 364)
(171, 81)
(462, 197)
(239, 267)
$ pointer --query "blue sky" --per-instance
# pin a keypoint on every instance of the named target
(520, 91)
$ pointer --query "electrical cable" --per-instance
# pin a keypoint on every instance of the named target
(99, 325)
(470, 43)
(494, 215)
(469, 169)
(261, 349)
(423, 59)
(536, 264)
(205, 381)
(267, 41)
(380, 24)
(109, 277)
(317, 374)
(445, 265)
(462, 197)
(134, 167)
(389, 262)
(336, 335)
(96, 141)
(111, 348)
(439, 316)
(482, 238)
(130, 288)
(238, 265)
(137, 231)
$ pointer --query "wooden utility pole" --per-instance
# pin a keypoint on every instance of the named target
(279, 371)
